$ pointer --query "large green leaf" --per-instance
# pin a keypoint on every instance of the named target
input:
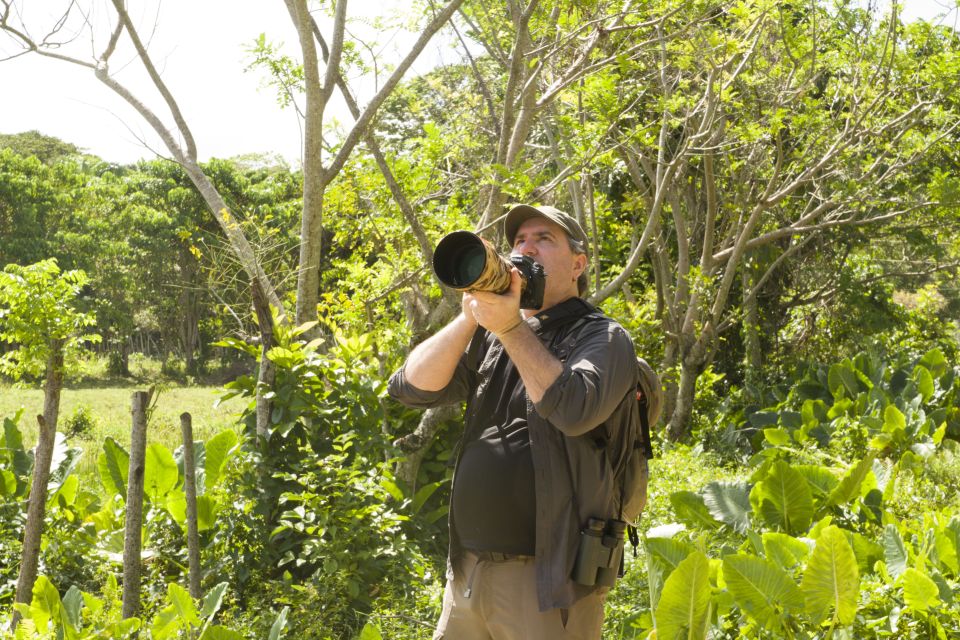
(213, 600)
(691, 510)
(8, 484)
(684, 604)
(948, 546)
(114, 465)
(831, 580)
(182, 602)
(924, 382)
(160, 473)
(783, 499)
(45, 603)
(935, 363)
(919, 591)
(370, 632)
(663, 556)
(819, 478)
(843, 380)
(761, 589)
(893, 420)
(729, 502)
(218, 450)
(784, 550)
(276, 629)
(894, 552)
(217, 632)
(207, 509)
(849, 487)
(72, 604)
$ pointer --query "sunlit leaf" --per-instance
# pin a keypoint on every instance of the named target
(729, 502)
(831, 580)
(685, 600)
(919, 591)
(761, 589)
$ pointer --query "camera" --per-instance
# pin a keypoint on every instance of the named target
(466, 262)
(600, 553)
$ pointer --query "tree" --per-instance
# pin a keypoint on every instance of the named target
(47, 149)
(38, 315)
(767, 128)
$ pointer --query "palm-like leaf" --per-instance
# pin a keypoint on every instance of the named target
(832, 579)
(729, 502)
(663, 556)
(685, 601)
(783, 499)
(761, 589)
(786, 551)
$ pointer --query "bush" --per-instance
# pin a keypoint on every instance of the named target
(81, 423)
(334, 541)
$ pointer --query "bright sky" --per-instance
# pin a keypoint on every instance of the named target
(199, 45)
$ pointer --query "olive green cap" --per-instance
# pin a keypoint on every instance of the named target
(523, 212)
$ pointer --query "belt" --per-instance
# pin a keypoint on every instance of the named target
(496, 556)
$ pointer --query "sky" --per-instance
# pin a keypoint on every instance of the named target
(200, 48)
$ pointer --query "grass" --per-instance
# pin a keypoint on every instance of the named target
(109, 411)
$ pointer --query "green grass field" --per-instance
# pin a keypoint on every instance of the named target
(109, 408)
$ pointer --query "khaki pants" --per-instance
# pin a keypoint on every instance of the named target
(502, 605)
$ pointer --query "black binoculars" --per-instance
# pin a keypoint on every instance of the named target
(600, 553)
(466, 262)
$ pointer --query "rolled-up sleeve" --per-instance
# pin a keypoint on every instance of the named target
(457, 390)
(597, 374)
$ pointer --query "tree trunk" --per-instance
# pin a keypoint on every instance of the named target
(695, 355)
(189, 312)
(190, 490)
(679, 426)
(30, 554)
(133, 521)
(753, 354)
(268, 372)
(36, 509)
(415, 445)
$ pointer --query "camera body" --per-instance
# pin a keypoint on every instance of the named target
(466, 262)
(600, 553)
(534, 281)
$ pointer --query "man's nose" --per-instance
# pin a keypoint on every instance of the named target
(526, 248)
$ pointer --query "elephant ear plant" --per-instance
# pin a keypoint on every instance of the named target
(824, 536)
(39, 316)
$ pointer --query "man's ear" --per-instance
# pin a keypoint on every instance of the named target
(579, 264)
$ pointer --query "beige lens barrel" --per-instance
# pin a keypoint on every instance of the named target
(466, 262)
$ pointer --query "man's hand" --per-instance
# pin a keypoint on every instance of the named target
(495, 312)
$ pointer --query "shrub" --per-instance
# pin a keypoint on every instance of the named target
(81, 423)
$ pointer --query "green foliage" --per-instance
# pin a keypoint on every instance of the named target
(38, 316)
(339, 530)
(16, 465)
(816, 537)
(82, 616)
(80, 424)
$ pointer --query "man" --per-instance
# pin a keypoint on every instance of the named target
(550, 396)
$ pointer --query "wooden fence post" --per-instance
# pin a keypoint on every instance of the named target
(30, 554)
(190, 489)
(134, 513)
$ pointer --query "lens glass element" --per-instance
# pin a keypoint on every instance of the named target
(468, 265)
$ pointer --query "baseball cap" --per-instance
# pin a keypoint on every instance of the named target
(523, 212)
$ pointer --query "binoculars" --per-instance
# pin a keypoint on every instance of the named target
(600, 553)
(466, 262)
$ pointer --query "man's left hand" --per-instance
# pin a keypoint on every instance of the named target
(495, 312)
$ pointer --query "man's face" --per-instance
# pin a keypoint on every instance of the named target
(547, 243)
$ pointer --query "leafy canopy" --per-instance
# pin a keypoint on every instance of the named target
(38, 315)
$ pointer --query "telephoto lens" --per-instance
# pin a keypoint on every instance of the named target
(466, 262)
